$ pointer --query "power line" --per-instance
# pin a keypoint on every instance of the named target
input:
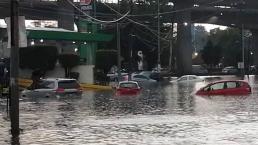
(97, 20)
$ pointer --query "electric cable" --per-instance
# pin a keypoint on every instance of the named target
(97, 20)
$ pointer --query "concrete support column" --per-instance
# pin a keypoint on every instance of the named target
(65, 15)
(255, 45)
(66, 21)
(184, 37)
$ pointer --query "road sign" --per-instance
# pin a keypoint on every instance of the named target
(85, 2)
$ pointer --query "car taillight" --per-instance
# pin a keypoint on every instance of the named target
(60, 90)
(79, 90)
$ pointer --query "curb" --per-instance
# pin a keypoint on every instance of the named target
(24, 83)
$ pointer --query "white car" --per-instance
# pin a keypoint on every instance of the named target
(187, 78)
(54, 87)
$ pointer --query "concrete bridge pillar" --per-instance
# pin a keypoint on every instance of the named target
(65, 21)
(255, 41)
(184, 37)
(65, 15)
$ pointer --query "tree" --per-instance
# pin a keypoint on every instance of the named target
(38, 57)
(229, 41)
(68, 61)
(211, 54)
(105, 59)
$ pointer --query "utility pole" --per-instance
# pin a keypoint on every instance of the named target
(171, 43)
(243, 48)
(118, 45)
(159, 65)
(14, 104)
(171, 48)
(131, 35)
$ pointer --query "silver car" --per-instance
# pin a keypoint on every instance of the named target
(54, 87)
(187, 79)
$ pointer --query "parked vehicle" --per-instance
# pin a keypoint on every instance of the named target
(143, 80)
(199, 70)
(187, 78)
(225, 88)
(230, 70)
(126, 88)
(54, 87)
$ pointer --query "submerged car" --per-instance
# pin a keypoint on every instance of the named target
(199, 70)
(230, 70)
(226, 88)
(128, 88)
(54, 87)
(187, 78)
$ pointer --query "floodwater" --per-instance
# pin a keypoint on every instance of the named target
(166, 114)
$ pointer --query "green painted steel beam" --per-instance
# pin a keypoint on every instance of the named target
(68, 36)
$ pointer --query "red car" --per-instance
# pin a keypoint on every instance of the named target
(127, 88)
(225, 88)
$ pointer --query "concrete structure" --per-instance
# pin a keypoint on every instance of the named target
(224, 12)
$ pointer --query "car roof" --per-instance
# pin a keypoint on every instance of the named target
(223, 81)
(58, 79)
(134, 82)
(189, 76)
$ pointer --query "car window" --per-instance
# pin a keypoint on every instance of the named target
(183, 78)
(128, 85)
(192, 78)
(207, 88)
(47, 85)
(231, 85)
(68, 84)
(217, 86)
(140, 77)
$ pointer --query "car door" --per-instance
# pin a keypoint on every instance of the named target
(231, 88)
(46, 89)
(217, 89)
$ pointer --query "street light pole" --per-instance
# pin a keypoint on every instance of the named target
(118, 45)
(243, 48)
(159, 65)
(14, 62)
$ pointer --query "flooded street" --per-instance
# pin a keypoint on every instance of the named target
(167, 114)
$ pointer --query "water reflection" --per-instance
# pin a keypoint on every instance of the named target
(164, 114)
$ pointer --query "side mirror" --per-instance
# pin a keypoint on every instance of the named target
(209, 89)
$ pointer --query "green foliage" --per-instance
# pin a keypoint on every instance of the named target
(38, 57)
(229, 41)
(211, 54)
(69, 60)
(105, 60)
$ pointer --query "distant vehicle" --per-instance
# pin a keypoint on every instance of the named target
(230, 70)
(225, 88)
(253, 69)
(187, 78)
(126, 88)
(54, 87)
(199, 70)
(142, 78)
(152, 75)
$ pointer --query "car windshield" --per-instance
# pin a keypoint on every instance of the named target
(46, 85)
(68, 84)
(128, 85)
